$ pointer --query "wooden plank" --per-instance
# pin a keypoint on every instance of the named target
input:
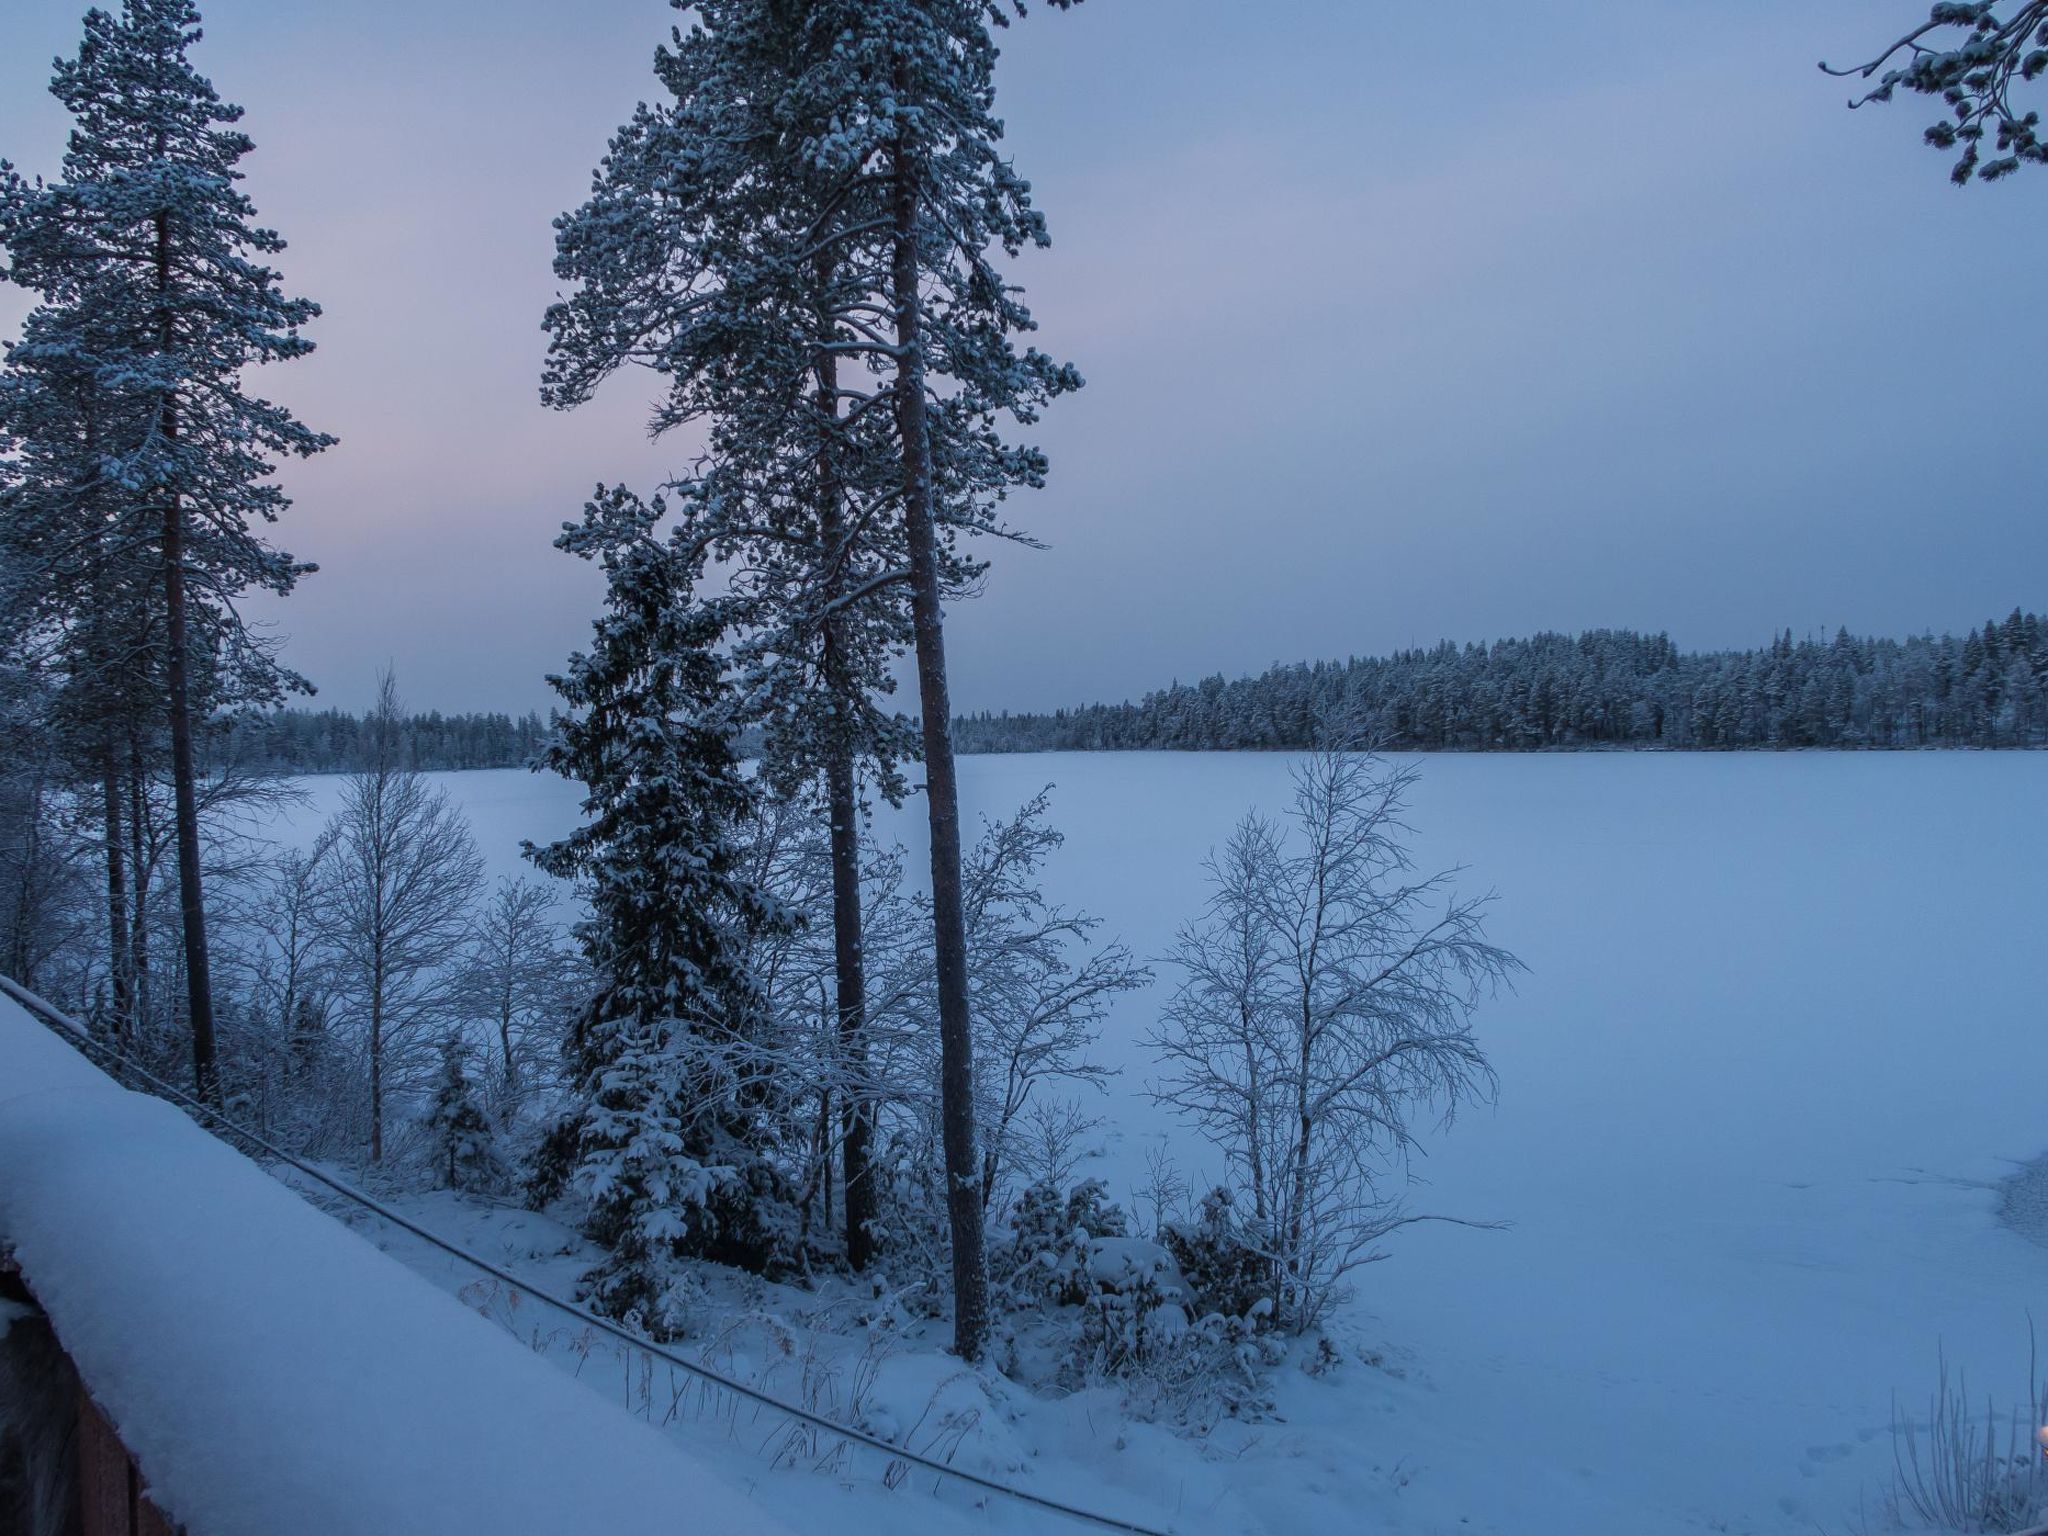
(152, 1521)
(104, 1486)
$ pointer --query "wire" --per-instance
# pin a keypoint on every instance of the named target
(63, 1024)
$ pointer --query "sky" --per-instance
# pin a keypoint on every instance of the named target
(1399, 322)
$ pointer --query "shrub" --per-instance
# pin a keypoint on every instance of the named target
(1226, 1273)
(1971, 1472)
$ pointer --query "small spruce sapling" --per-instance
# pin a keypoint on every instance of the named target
(465, 1150)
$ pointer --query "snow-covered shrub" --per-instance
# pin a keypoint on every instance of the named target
(1134, 1312)
(1227, 1274)
(1973, 1470)
(464, 1139)
(1091, 1304)
(911, 1247)
(1046, 1259)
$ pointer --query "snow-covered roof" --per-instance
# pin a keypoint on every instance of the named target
(271, 1371)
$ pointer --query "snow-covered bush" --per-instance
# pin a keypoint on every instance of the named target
(1225, 1268)
(911, 1252)
(1090, 1304)
(1046, 1260)
(1971, 1469)
(464, 1139)
(1134, 1313)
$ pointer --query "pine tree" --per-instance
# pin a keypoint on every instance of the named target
(81, 594)
(891, 107)
(1971, 54)
(709, 251)
(801, 246)
(148, 227)
(662, 1140)
(926, 78)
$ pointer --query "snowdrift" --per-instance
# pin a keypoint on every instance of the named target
(270, 1370)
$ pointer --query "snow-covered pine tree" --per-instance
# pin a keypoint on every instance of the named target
(660, 1139)
(710, 251)
(147, 224)
(919, 80)
(80, 597)
(465, 1145)
(851, 261)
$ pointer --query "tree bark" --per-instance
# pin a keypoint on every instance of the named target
(942, 796)
(119, 956)
(191, 894)
(139, 873)
(849, 960)
(850, 973)
(377, 1059)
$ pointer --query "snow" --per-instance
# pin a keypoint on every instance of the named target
(1780, 1044)
(270, 1370)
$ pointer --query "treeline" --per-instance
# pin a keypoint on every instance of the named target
(1603, 688)
(295, 741)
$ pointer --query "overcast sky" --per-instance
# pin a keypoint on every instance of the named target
(1400, 323)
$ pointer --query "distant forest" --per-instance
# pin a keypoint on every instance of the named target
(1604, 688)
(295, 741)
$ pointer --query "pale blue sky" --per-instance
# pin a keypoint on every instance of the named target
(1399, 323)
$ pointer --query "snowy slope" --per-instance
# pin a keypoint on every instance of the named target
(271, 1371)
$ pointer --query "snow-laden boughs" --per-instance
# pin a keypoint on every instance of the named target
(663, 1138)
(1972, 54)
(147, 232)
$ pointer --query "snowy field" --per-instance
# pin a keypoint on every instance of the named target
(1781, 1038)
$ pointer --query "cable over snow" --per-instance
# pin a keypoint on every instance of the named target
(271, 1370)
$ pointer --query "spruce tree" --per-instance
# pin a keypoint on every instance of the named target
(148, 227)
(662, 1139)
(465, 1148)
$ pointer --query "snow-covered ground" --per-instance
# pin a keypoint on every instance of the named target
(1782, 1036)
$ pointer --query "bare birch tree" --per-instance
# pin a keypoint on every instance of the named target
(520, 981)
(1323, 1016)
(406, 871)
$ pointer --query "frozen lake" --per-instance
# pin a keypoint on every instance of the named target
(1781, 1036)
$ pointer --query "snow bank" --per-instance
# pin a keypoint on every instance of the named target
(271, 1370)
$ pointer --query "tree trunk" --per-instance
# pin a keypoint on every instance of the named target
(942, 797)
(377, 1061)
(119, 955)
(191, 895)
(849, 958)
(850, 973)
(505, 1049)
(139, 878)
